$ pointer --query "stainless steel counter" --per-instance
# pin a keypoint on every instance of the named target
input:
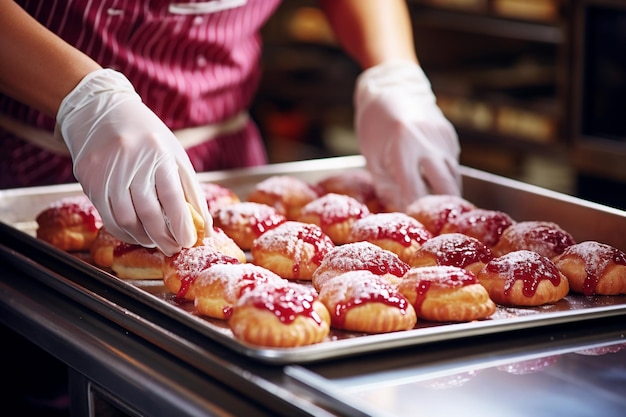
(150, 363)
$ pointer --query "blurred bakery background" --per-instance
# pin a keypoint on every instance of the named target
(535, 88)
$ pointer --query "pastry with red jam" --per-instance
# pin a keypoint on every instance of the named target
(546, 238)
(217, 196)
(361, 301)
(396, 232)
(243, 222)
(137, 262)
(293, 250)
(357, 184)
(446, 294)
(221, 242)
(593, 268)
(452, 249)
(287, 194)
(181, 270)
(70, 224)
(334, 213)
(359, 256)
(523, 278)
(101, 249)
(485, 225)
(435, 210)
(217, 288)
(281, 315)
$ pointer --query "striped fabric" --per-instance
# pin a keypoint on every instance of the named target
(193, 63)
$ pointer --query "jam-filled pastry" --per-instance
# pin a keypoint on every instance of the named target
(485, 225)
(221, 242)
(359, 256)
(243, 222)
(334, 213)
(181, 270)
(280, 315)
(446, 294)
(545, 238)
(435, 210)
(285, 193)
(523, 278)
(70, 223)
(217, 288)
(361, 301)
(217, 196)
(397, 232)
(593, 268)
(357, 184)
(293, 250)
(452, 249)
(137, 262)
(101, 249)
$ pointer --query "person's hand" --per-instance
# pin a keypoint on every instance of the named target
(130, 165)
(410, 147)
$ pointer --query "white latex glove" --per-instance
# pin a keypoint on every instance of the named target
(410, 147)
(130, 165)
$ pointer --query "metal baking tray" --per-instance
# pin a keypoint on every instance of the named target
(583, 219)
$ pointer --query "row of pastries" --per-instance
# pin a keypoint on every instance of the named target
(294, 260)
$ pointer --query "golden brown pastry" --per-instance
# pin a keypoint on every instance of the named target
(180, 271)
(545, 238)
(218, 196)
(221, 242)
(137, 262)
(198, 223)
(485, 225)
(434, 210)
(361, 301)
(292, 249)
(359, 256)
(285, 193)
(452, 249)
(101, 249)
(70, 224)
(243, 222)
(523, 278)
(217, 288)
(281, 316)
(357, 184)
(334, 213)
(397, 232)
(446, 294)
(593, 268)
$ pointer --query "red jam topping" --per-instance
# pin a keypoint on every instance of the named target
(545, 238)
(526, 266)
(365, 256)
(396, 226)
(335, 208)
(287, 302)
(444, 277)
(485, 225)
(259, 217)
(441, 208)
(456, 249)
(77, 205)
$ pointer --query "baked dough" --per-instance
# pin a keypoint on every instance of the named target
(357, 184)
(485, 225)
(137, 262)
(217, 196)
(281, 316)
(243, 222)
(593, 268)
(434, 210)
(523, 278)
(452, 249)
(359, 256)
(293, 250)
(221, 242)
(70, 223)
(285, 193)
(101, 250)
(181, 270)
(446, 294)
(361, 301)
(217, 288)
(545, 238)
(334, 213)
(397, 232)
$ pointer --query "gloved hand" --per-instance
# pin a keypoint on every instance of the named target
(410, 147)
(130, 165)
